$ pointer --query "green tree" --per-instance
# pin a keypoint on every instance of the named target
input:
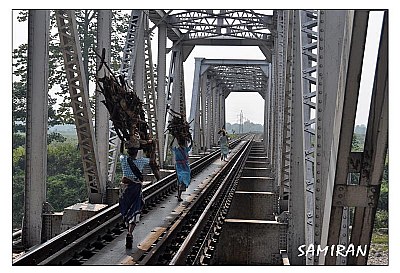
(63, 158)
(18, 199)
(55, 137)
(64, 190)
(18, 140)
(65, 180)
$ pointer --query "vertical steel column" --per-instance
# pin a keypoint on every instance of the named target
(349, 82)
(101, 113)
(129, 53)
(280, 92)
(197, 124)
(272, 112)
(36, 126)
(267, 114)
(195, 106)
(70, 47)
(374, 154)
(182, 97)
(330, 40)
(169, 98)
(203, 113)
(217, 120)
(208, 112)
(308, 40)
(222, 108)
(211, 104)
(161, 74)
(149, 96)
(297, 224)
(215, 108)
(175, 89)
(139, 68)
(176, 100)
(265, 124)
(286, 144)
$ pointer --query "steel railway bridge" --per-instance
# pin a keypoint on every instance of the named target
(281, 190)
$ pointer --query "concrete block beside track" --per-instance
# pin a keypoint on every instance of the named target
(250, 242)
(252, 205)
(255, 183)
(260, 172)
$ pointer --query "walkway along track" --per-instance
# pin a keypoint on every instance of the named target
(79, 243)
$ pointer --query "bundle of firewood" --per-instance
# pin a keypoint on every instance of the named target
(128, 116)
(126, 111)
(178, 127)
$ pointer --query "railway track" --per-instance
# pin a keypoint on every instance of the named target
(78, 244)
(192, 237)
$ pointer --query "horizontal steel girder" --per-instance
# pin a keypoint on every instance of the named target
(238, 75)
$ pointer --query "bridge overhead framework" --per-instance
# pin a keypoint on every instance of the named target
(213, 81)
(309, 80)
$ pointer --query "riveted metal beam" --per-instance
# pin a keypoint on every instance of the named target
(308, 40)
(375, 147)
(72, 55)
(347, 95)
(355, 196)
(329, 49)
(161, 76)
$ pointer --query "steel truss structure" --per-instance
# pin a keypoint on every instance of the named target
(213, 81)
(310, 81)
(69, 43)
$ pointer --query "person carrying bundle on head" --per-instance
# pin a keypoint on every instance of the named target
(131, 200)
(182, 167)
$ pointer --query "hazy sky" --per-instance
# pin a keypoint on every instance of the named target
(252, 104)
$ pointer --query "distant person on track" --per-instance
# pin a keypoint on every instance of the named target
(131, 199)
(223, 143)
(182, 165)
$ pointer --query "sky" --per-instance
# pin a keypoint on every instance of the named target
(251, 104)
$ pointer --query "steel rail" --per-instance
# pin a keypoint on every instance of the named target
(107, 221)
(165, 247)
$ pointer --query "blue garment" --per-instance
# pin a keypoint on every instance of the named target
(131, 200)
(126, 169)
(182, 164)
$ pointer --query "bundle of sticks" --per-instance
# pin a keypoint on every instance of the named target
(127, 114)
(178, 127)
